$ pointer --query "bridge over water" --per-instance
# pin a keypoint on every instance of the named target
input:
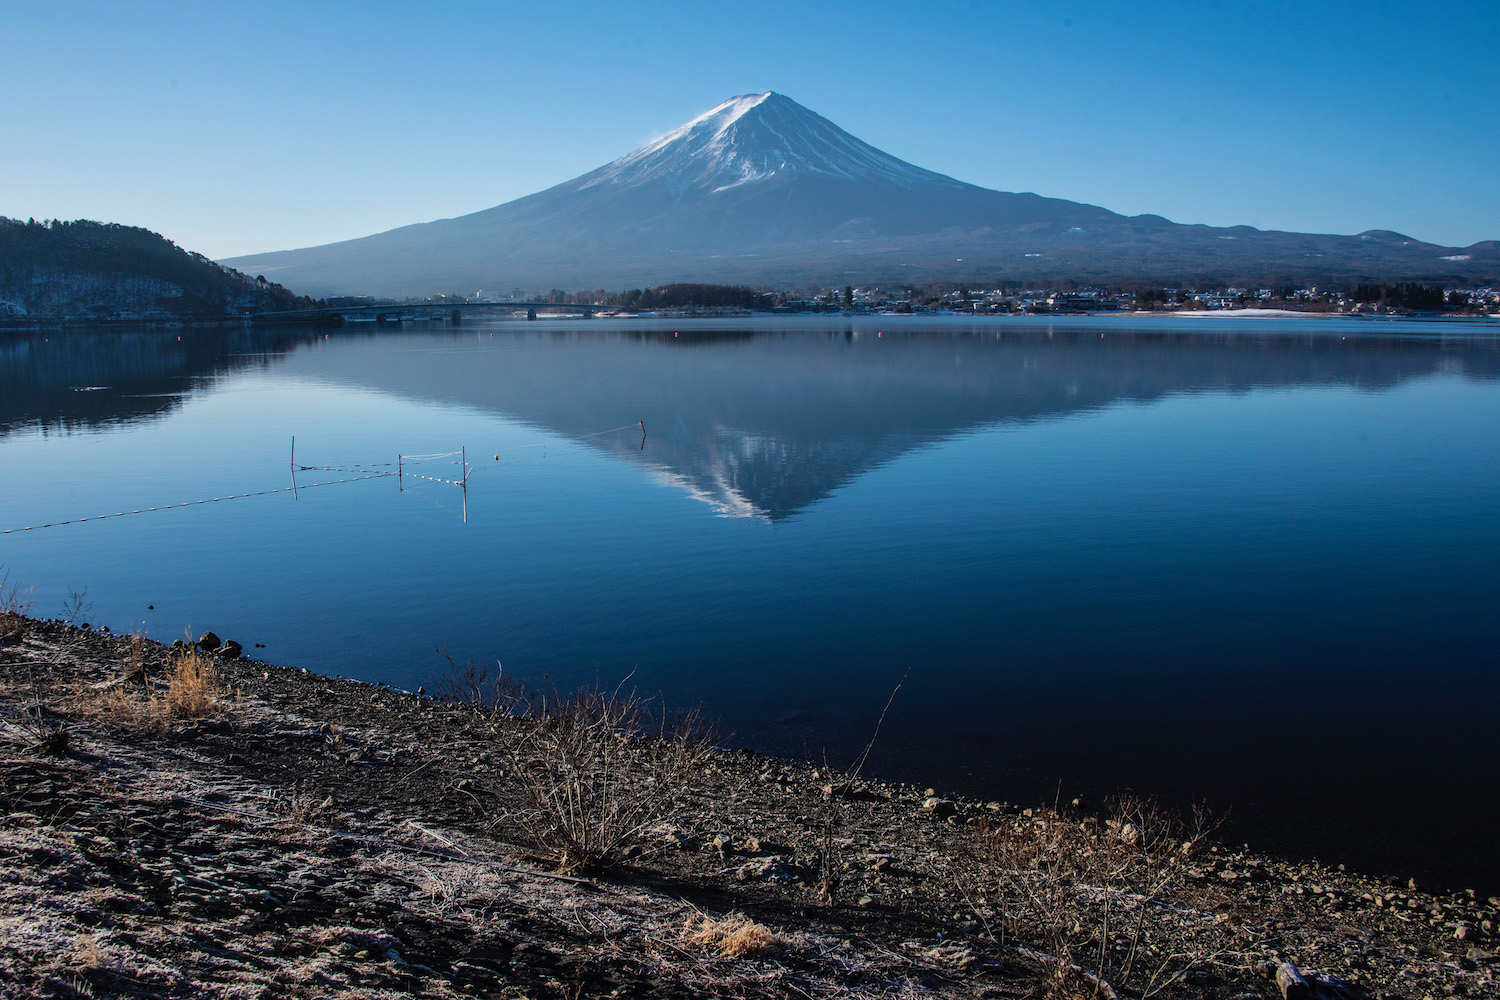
(385, 312)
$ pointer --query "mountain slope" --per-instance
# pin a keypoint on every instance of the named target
(760, 189)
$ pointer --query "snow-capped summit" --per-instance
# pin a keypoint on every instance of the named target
(755, 137)
(761, 191)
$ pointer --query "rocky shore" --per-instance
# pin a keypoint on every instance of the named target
(267, 832)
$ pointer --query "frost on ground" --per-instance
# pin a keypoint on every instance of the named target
(320, 837)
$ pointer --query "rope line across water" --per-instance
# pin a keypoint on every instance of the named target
(346, 468)
(195, 503)
(312, 486)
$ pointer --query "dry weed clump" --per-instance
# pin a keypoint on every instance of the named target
(597, 774)
(735, 936)
(1086, 895)
(299, 805)
(195, 688)
(126, 707)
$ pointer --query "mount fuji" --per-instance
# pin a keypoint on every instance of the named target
(762, 191)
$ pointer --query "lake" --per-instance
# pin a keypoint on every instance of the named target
(1247, 561)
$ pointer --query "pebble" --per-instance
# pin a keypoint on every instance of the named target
(681, 839)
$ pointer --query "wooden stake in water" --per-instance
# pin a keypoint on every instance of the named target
(294, 468)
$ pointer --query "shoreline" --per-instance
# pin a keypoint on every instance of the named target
(58, 324)
(314, 831)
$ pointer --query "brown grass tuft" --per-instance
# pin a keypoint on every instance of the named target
(735, 936)
(195, 689)
(123, 706)
(88, 955)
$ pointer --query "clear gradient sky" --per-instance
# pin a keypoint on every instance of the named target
(236, 128)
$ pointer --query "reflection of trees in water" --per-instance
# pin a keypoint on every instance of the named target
(69, 381)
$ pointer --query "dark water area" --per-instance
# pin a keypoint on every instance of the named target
(1252, 562)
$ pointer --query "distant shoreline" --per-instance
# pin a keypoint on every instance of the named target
(17, 325)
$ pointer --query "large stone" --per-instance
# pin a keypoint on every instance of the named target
(231, 650)
(939, 807)
(1293, 986)
(208, 642)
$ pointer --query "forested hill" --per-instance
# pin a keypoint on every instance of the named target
(102, 271)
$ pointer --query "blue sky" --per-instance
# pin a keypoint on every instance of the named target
(236, 128)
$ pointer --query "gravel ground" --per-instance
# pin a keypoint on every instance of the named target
(306, 837)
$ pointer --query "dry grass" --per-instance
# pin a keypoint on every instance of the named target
(735, 936)
(88, 955)
(298, 805)
(125, 706)
(195, 688)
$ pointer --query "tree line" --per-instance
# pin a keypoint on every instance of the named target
(1403, 295)
(83, 247)
(686, 294)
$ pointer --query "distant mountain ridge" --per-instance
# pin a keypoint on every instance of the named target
(103, 271)
(761, 190)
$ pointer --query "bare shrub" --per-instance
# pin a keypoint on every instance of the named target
(14, 607)
(735, 936)
(38, 733)
(1086, 893)
(597, 772)
(474, 686)
(77, 609)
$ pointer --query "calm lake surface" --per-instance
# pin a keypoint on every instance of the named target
(1253, 561)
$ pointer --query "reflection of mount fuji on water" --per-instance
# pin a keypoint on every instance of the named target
(767, 424)
(757, 424)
